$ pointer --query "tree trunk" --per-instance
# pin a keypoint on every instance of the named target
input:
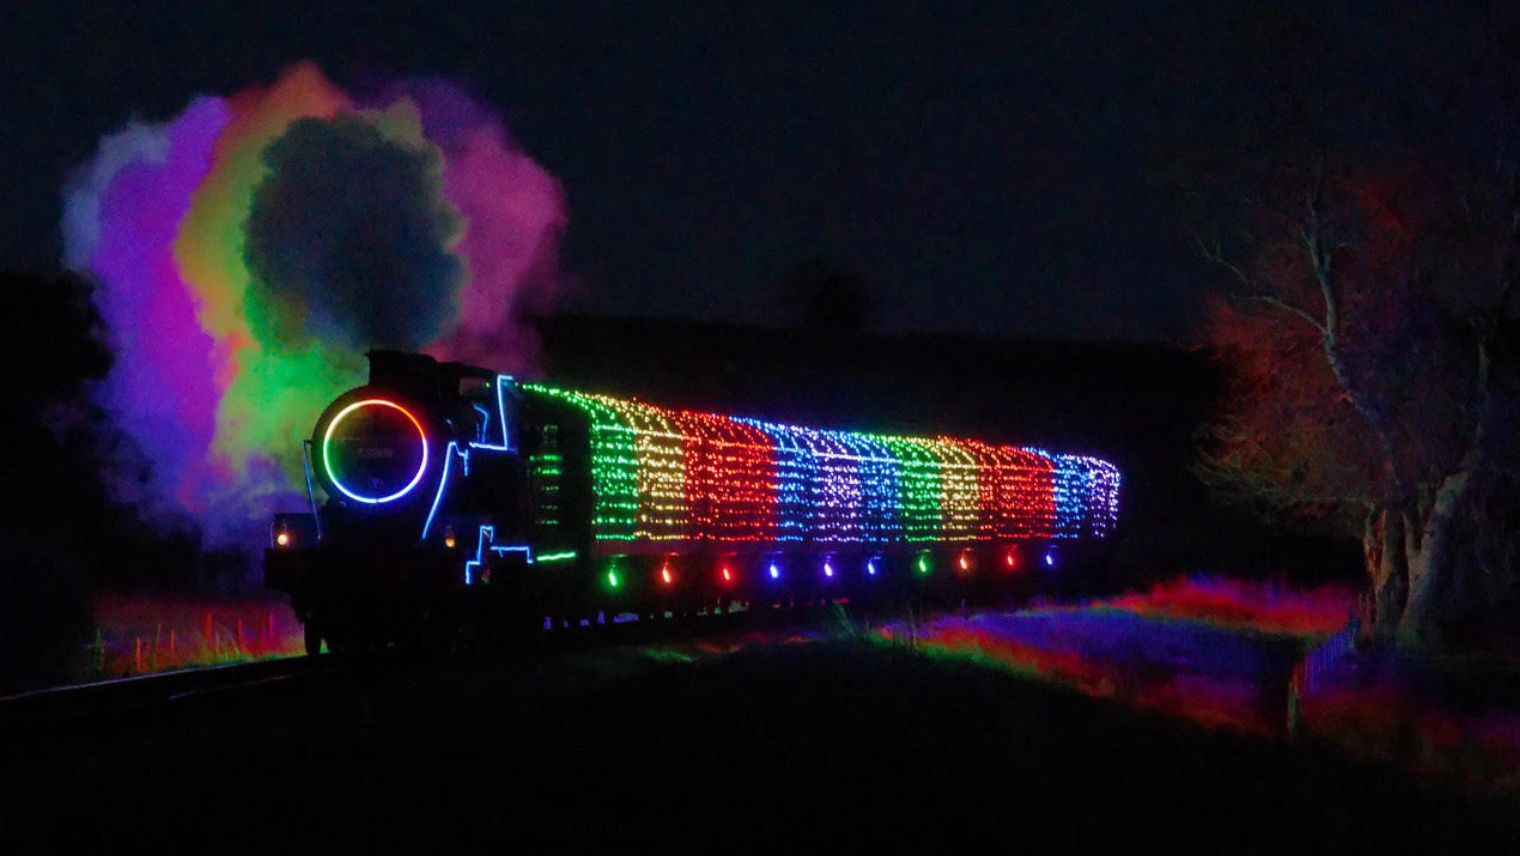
(1387, 565)
(1411, 558)
(1432, 556)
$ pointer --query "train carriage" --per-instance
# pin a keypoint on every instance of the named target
(444, 494)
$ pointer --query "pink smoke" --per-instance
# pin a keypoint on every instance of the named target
(514, 214)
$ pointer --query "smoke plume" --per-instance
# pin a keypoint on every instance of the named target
(247, 251)
(349, 240)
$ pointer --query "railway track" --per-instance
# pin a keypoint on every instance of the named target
(123, 695)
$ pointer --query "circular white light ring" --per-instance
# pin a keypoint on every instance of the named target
(327, 441)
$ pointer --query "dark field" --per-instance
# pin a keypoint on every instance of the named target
(836, 745)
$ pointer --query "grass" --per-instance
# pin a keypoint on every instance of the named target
(140, 634)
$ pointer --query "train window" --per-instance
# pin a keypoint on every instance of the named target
(475, 387)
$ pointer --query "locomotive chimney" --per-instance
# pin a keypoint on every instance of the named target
(414, 374)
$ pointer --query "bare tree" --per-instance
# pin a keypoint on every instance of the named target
(1371, 246)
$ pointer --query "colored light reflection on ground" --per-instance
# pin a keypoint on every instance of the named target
(1457, 717)
(1259, 607)
(1215, 651)
(146, 634)
(1213, 676)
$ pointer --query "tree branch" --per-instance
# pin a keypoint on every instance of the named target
(1252, 293)
(1278, 303)
(1322, 261)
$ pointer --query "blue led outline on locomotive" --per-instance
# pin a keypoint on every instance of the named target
(485, 424)
(501, 409)
(443, 482)
(480, 550)
(464, 453)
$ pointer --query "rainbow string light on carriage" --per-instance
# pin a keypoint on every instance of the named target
(680, 476)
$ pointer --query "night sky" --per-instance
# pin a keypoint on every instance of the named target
(983, 168)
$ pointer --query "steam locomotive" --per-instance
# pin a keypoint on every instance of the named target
(445, 496)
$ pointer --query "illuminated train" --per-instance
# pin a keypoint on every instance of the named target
(459, 497)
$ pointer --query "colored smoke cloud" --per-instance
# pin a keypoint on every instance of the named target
(250, 249)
